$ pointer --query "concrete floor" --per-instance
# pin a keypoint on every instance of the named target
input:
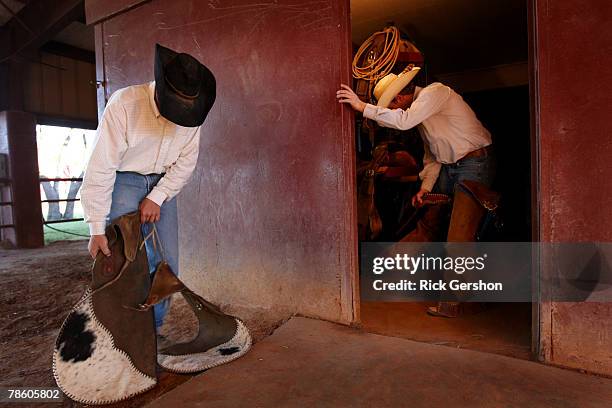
(503, 328)
(314, 363)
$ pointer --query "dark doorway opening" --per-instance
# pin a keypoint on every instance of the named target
(480, 49)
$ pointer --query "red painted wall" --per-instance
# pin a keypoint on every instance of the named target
(574, 56)
(268, 221)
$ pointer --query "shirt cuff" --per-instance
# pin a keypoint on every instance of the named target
(97, 228)
(157, 196)
(428, 183)
(370, 111)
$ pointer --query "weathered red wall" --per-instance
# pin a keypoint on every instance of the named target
(574, 56)
(268, 221)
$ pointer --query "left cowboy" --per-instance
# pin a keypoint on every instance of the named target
(145, 150)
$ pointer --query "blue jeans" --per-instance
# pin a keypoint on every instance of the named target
(480, 169)
(129, 190)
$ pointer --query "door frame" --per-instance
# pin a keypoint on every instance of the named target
(540, 310)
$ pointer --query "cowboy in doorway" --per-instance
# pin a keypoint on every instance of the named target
(457, 147)
(145, 150)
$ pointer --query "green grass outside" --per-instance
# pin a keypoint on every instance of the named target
(74, 227)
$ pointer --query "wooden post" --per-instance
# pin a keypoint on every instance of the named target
(18, 142)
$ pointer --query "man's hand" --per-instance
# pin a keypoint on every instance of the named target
(417, 200)
(346, 95)
(149, 211)
(98, 243)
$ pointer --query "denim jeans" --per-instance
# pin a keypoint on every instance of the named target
(129, 190)
(480, 169)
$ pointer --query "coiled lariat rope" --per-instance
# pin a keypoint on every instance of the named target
(377, 66)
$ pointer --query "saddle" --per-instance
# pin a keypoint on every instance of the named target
(388, 166)
(106, 350)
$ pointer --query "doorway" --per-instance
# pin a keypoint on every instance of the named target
(62, 153)
(481, 51)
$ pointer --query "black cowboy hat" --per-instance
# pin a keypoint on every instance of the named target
(185, 89)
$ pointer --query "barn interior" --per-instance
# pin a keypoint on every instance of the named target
(480, 50)
(270, 234)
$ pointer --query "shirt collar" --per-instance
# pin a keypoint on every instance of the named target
(152, 99)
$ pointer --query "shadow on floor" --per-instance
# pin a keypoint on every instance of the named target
(503, 328)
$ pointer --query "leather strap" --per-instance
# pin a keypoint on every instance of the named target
(482, 152)
(396, 172)
(165, 283)
(368, 218)
(435, 198)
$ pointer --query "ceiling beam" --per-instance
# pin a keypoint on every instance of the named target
(98, 10)
(69, 51)
(37, 23)
(15, 16)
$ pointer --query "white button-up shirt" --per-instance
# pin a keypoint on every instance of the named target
(447, 124)
(133, 136)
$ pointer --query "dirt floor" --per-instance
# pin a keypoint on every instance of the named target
(39, 289)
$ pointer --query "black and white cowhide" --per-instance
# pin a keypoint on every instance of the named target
(86, 364)
(236, 347)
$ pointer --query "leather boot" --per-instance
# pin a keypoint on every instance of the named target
(430, 226)
(466, 217)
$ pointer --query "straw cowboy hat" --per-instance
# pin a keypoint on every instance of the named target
(389, 86)
(185, 88)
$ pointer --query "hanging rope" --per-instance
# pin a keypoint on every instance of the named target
(377, 66)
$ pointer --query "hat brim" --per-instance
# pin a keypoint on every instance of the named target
(174, 107)
(396, 87)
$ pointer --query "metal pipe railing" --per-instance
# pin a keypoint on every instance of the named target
(44, 179)
(60, 200)
(59, 221)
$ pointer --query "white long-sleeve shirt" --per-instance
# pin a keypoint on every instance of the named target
(447, 124)
(133, 136)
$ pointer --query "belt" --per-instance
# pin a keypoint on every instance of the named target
(140, 174)
(482, 152)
